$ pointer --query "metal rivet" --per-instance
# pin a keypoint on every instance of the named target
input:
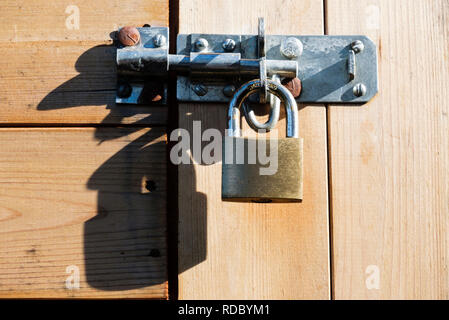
(124, 90)
(159, 40)
(200, 89)
(229, 90)
(357, 46)
(201, 44)
(129, 36)
(359, 90)
(229, 45)
(291, 48)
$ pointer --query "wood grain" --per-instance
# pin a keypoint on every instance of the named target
(53, 74)
(41, 20)
(253, 251)
(389, 158)
(93, 198)
(84, 197)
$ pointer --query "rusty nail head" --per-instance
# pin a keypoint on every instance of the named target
(291, 48)
(293, 85)
(129, 36)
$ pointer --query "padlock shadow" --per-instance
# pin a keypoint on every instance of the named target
(193, 204)
(125, 243)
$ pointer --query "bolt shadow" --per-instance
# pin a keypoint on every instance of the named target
(125, 243)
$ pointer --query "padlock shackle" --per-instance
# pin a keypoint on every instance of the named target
(275, 106)
(250, 87)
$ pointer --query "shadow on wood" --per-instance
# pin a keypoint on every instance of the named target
(125, 244)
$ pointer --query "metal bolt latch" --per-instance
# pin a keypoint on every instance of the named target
(209, 67)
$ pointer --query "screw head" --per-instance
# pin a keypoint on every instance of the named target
(201, 44)
(291, 48)
(129, 36)
(124, 90)
(359, 90)
(159, 40)
(229, 90)
(229, 45)
(357, 46)
(200, 89)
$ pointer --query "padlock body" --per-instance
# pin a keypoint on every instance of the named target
(277, 182)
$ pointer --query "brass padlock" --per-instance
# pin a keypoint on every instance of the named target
(244, 176)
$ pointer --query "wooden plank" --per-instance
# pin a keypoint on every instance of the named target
(52, 73)
(65, 83)
(81, 20)
(389, 158)
(86, 198)
(253, 251)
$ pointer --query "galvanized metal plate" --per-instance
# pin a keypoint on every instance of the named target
(143, 87)
(323, 67)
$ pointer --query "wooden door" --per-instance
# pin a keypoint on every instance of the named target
(84, 186)
(83, 181)
(389, 159)
(374, 220)
(253, 251)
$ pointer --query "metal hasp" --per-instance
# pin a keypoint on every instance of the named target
(332, 69)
